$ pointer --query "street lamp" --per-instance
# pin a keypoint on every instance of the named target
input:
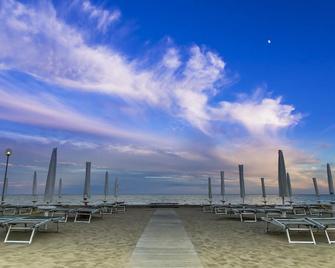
(8, 153)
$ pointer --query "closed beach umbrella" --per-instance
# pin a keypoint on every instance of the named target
(282, 180)
(330, 181)
(289, 188)
(106, 188)
(242, 188)
(87, 185)
(263, 190)
(34, 190)
(116, 188)
(316, 189)
(60, 189)
(210, 195)
(51, 179)
(222, 186)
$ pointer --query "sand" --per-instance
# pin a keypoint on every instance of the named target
(106, 242)
(219, 242)
(223, 242)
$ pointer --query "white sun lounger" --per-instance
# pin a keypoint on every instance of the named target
(32, 224)
(325, 224)
(7, 210)
(84, 214)
(57, 211)
(289, 225)
(110, 208)
(246, 214)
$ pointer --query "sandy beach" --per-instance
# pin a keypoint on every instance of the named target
(106, 242)
(225, 242)
(219, 242)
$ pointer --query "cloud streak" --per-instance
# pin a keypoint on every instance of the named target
(180, 87)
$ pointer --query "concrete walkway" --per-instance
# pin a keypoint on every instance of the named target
(164, 243)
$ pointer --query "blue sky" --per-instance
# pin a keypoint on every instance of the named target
(164, 94)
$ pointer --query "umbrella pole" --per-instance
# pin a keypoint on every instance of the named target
(264, 201)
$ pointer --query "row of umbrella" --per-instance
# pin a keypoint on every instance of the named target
(51, 181)
(284, 183)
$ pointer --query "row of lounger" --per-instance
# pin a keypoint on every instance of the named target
(17, 219)
(307, 224)
(294, 218)
(251, 213)
(27, 224)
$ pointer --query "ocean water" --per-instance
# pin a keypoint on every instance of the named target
(181, 199)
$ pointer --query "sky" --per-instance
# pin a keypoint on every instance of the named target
(163, 94)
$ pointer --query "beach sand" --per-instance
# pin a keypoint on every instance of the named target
(219, 242)
(106, 242)
(224, 242)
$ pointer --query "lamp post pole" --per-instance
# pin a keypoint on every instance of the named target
(8, 153)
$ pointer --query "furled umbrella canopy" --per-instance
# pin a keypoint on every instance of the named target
(87, 184)
(242, 187)
(60, 190)
(106, 188)
(263, 190)
(51, 179)
(210, 195)
(330, 181)
(116, 188)
(282, 180)
(316, 189)
(222, 187)
(34, 190)
(289, 188)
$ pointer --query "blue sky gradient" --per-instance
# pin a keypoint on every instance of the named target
(164, 94)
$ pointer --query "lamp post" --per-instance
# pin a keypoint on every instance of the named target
(8, 153)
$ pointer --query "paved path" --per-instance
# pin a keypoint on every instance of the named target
(164, 243)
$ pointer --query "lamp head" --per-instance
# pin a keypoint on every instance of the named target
(8, 152)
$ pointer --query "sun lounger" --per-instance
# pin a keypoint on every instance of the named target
(84, 214)
(290, 225)
(221, 210)
(7, 210)
(57, 211)
(31, 223)
(5, 219)
(246, 214)
(325, 224)
(208, 208)
(299, 210)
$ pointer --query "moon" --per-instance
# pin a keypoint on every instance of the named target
(269, 41)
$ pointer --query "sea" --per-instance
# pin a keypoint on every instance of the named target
(180, 199)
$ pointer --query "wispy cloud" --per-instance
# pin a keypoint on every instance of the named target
(181, 87)
(103, 17)
(183, 84)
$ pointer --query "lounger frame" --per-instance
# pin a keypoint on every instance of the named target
(321, 224)
(30, 224)
(85, 213)
(286, 223)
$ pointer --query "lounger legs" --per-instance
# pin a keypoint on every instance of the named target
(83, 214)
(299, 211)
(328, 237)
(243, 219)
(221, 211)
(14, 229)
(299, 241)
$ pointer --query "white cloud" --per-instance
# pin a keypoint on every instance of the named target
(258, 116)
(171, 59)
(48, 111)
(68, 61)
(130, 149)
(181, 84)
(103, 17)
